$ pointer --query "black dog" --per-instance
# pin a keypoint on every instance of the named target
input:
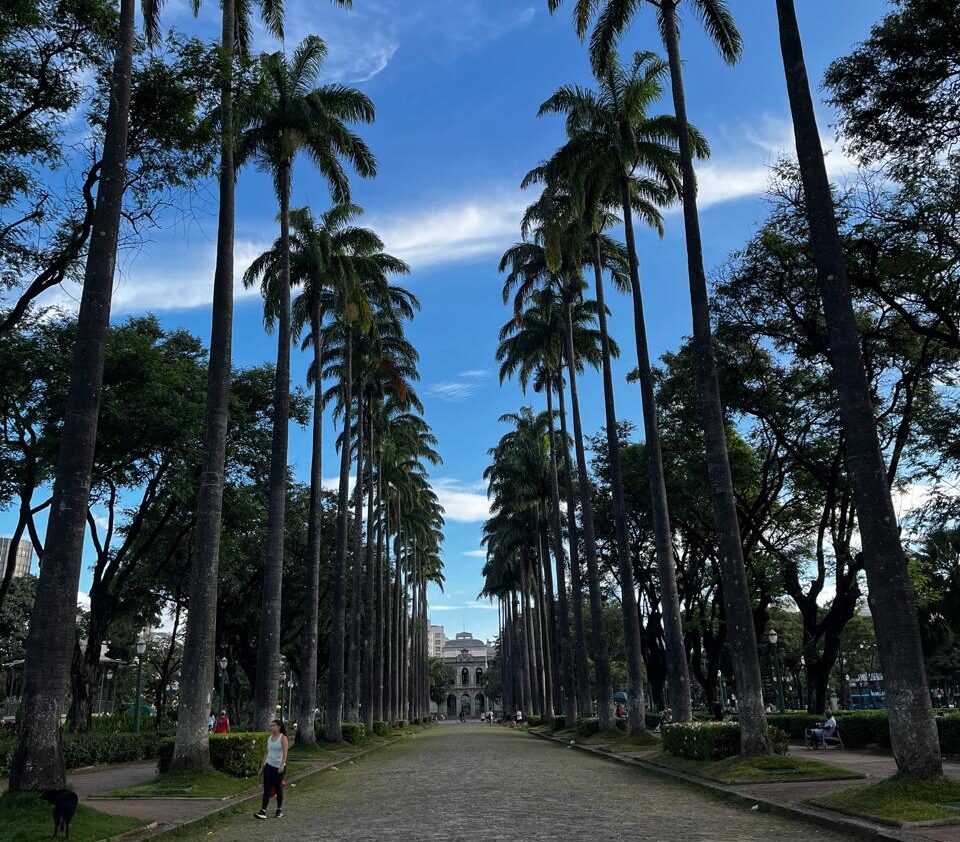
(64, 809)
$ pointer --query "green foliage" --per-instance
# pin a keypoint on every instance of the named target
(558, 723)
(80, 750)
(948, 728)
(381, 729)
(587, 727)
(120, 723)
(652, 720)
(898, 799)
(622, 725)
(356, 732)
(534, 720)
(701, 740)
(400, 724)
(239, 754)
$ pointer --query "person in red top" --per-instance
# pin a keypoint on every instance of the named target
(222, 725)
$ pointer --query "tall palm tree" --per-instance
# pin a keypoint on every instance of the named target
(612, 19)
(612, 135)
(191, 750)
(360, 283)
(531, 346)
(913, 732)
(288, 115)
(38, 760)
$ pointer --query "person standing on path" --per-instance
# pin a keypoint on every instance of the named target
(222, 725)
(273, 767)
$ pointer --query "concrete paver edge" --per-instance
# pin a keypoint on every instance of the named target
(823, 818)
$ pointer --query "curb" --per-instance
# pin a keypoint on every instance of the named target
(250, 795)
(812, 815)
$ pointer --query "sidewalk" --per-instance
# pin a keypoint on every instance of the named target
(788, 798)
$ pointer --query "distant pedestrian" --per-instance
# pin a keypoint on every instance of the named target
(518, 717)
(211, 722)
(463, 716)
(273, 767)
(618, 711)
(222, 725)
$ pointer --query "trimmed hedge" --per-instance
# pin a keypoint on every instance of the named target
(534, 720)
(948, 728)
(558, 723)
(120, 723)
(239, 754)
(353, 732)
(587, 727)
(712, 740)
(81, 750)
(381, 729)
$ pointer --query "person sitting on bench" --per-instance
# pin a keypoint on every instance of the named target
(821, 734)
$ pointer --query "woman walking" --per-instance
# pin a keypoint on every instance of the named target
(273, 767)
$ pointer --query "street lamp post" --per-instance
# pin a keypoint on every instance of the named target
(109, 685)
(803, 682)
(290, 698)
(223, 669)
(283, 681)
(775, 652)
(723, 690)
(141, 648)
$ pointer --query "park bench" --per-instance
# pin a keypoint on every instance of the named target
(824, 740)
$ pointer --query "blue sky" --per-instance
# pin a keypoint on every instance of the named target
(457, 85)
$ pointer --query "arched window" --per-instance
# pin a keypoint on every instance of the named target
(464, 676)
(479, 676)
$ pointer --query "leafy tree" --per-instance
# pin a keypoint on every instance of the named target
(897, 91)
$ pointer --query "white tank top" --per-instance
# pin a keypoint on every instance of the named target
(275, 751)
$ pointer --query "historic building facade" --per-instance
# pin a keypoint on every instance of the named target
(466, 658)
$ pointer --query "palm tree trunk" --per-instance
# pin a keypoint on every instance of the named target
(308, 647)
(678, 676)
(268, 645)
(352, 701)
(523, 653)
(742, 638)
(387, 618)
(568, 699)
(395, 639)
(379, 650)
(534, 668)
(636, 719)
(601, 657)
(404, 676)
(581, 671)
(551, 648)
(197, 672)
(368, 667)
(38, 760)
(334, 733)
(913, 732)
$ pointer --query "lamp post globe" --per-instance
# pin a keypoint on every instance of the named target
(141, 648)
(223, 669)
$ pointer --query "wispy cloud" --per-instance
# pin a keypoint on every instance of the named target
(465, 502)
(466, 384)
(475, 553)
(463, 606)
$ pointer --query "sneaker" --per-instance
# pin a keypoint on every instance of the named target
(260, 814)
(278, 814)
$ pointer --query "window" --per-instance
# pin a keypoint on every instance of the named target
(465, 676)
(479, 675)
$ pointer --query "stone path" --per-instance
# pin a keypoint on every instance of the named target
(469, 782)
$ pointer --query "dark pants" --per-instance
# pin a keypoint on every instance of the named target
(272, 780)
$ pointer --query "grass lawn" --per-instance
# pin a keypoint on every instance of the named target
(898, 800)
(25, 818)
(737, 770)
(206, 784)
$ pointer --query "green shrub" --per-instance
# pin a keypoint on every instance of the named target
(948, 729)
(779, 740)
(8, 743)
(81, 750)
(238, 754)
(621, 724)
(400, 724)
(120, 723)
(381, 729)
(701, 740)
(534, 721)
(652, 720)
(558, 723)
(587, 727)
(794, 724)
(353, 732)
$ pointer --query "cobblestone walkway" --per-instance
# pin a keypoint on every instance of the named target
(469, 782)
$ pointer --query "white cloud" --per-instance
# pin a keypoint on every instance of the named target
(333, 483)
(456, 231)
(466, 384)
(464, 606)
(745, 171)
(475, 553)
(83, 600)
(463, 502)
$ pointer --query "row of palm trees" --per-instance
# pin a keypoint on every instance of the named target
(619, 163)
(352, 318)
